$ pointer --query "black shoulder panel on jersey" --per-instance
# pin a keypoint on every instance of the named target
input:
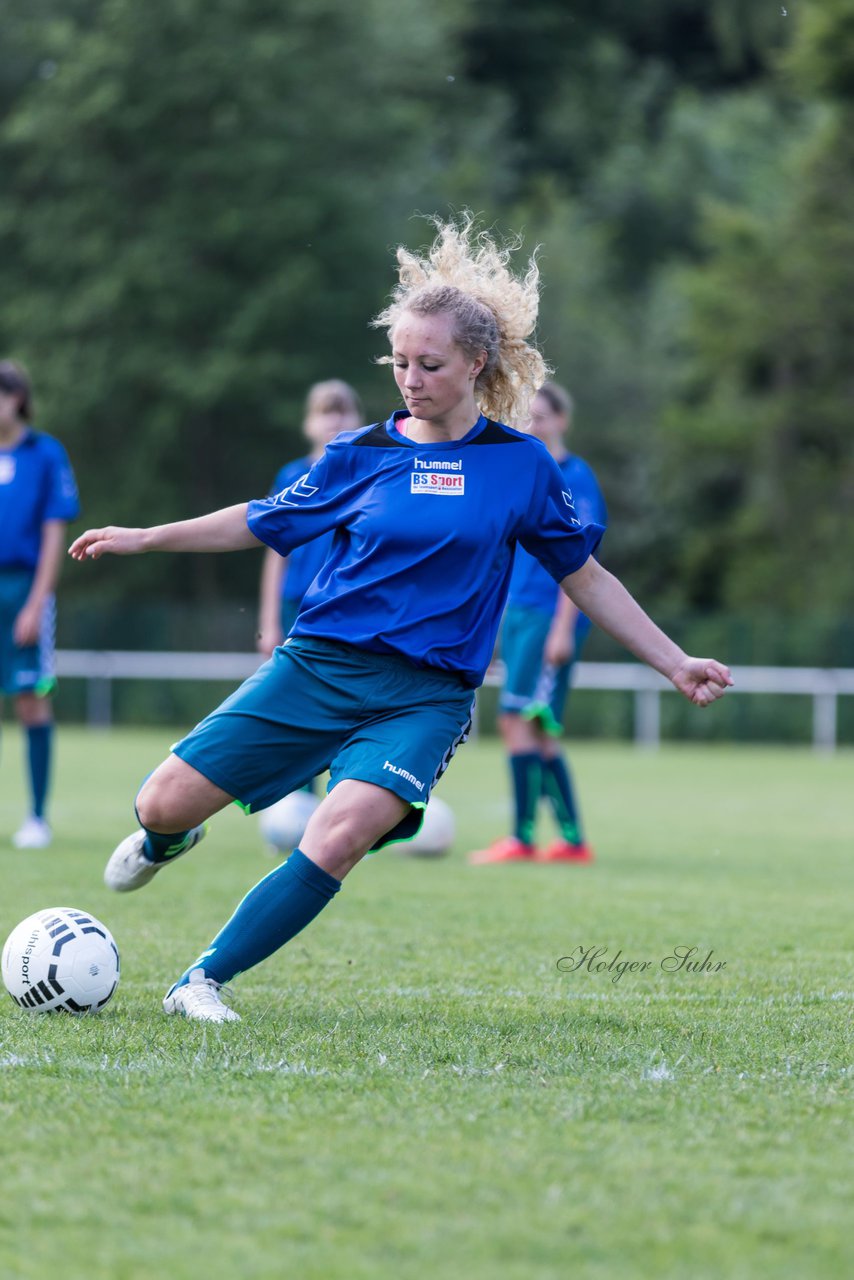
(379, 438)
(497, 433)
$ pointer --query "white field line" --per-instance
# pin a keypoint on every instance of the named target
(155, 1063)
(657, 1072)
(620, 993)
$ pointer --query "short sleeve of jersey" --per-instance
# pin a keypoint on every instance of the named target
(313, 504)
(62, 501)
(587, 497)
(287, 474)
(553, 532)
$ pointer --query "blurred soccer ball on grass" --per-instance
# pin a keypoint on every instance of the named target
(437, 832)
(283, 824)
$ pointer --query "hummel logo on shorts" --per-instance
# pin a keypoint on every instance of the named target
(403, 773)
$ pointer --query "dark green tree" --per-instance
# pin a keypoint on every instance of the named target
(762, 450)
(196, 222)
(198, 204)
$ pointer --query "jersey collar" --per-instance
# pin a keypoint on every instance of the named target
(439, 444)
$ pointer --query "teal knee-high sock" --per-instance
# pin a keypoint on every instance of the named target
(557, 787)
(526, 772)
(272, 913)
(39, 743)
(159, 847)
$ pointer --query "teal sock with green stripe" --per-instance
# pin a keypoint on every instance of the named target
(526, 770)
(160, 847)
(557, 788)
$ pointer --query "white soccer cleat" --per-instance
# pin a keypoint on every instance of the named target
(35, 833)
(128, 867)
(199, 1000)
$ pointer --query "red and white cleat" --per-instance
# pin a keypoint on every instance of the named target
(563, 851)
(507, 849)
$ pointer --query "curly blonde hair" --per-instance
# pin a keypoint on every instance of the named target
(466, 274)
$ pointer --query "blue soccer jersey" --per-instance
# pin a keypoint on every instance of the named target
(304, 562)
(423, 538)
(531, 587)
(36, 484)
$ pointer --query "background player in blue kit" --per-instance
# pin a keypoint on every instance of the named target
(377, 679)
(38, 496)
(542, 635)
(331, 407)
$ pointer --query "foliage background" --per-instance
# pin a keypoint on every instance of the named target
(197, 209)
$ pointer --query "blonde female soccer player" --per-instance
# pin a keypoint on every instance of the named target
(377, 680)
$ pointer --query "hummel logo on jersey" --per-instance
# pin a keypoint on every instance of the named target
(299, 489)
(567, 497)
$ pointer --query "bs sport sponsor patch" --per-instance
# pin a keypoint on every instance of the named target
(441, 477)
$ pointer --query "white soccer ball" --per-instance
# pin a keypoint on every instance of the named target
(61, 959)
(437, 832)
(283, 824)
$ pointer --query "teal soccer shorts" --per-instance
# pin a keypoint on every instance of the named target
(319, 704)
(288, 611)
(533, 688)
(29, 669)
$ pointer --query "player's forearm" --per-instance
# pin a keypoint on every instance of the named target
(565, 614)
(224, 530)
(606, 601)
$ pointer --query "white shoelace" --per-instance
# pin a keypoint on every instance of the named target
(200, 997)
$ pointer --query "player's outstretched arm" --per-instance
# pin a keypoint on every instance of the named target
(224, 530)
(604, 599)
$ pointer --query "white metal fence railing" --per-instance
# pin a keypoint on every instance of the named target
(824, 685)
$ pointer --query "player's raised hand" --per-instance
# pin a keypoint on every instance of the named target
(702, 680)
(113, 540)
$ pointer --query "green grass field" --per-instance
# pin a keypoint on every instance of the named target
(417, 1089)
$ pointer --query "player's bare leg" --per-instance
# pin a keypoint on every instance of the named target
(348, 822)
(172, 806)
